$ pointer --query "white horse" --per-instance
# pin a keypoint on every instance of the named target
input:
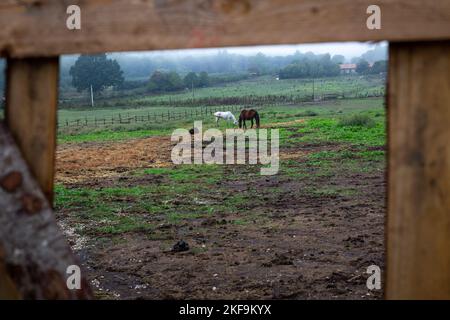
(227, 115)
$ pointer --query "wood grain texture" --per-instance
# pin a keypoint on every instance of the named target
(38, 27)
(34, 255)
(31, 104)
(418, 224)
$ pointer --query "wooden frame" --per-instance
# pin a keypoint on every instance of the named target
(418, 222)
(38, 27)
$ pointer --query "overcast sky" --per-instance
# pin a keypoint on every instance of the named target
(348, 49)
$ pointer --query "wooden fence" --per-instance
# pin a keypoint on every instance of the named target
(127, 118)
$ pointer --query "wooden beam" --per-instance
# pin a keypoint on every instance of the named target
(34, 255)
(418, 224)
(31, 104)
(38, 27)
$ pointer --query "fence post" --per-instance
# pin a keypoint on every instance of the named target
(30, 114)
(418, 219)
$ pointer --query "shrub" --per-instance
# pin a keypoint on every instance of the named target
(362, 120)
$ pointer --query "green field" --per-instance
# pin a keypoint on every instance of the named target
(254, 87)
(152, 107)
(271, 114)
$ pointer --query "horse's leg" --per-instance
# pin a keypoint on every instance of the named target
(217, 121)
(252, 123)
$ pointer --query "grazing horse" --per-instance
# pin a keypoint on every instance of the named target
(227, 115)
(248, 115)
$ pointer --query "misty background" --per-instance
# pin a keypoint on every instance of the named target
(270, 59)
(137, 67)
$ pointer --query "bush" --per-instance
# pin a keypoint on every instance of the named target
(362, 120)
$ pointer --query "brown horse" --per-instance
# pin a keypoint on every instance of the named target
(248, 115)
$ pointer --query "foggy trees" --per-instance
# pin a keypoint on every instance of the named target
(203, 79)
(379, 67)
(97, 71)
(362, 67)
(140, 66)
(310, 67)
(101, 72)
(379, 53)
(161, 81)
(338, 58)
(191, 80)
(165, 81)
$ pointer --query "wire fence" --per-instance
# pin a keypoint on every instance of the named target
(124, 118)
(149, 117)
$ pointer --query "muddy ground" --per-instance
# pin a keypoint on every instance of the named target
(299, 246)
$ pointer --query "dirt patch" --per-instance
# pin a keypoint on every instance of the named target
(295, 240)
(99, 160)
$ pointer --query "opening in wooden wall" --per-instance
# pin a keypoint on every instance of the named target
(145, 227)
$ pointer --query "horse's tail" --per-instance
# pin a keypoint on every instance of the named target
(257, 119)
(240, 121)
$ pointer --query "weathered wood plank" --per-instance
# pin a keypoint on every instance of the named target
(38, 27)
(418, 224)
(31, 104)
(34, 254)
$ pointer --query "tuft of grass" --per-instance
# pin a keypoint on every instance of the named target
(361, 120)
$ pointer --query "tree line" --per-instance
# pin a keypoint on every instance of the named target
(171, 81)
(306, 67)
(326, 67)
(99, 72)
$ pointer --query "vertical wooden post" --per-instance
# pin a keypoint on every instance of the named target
(31, 105)
(418, 224)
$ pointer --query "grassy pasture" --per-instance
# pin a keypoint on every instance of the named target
(254, 87)
(269, 114)
(361, 149)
